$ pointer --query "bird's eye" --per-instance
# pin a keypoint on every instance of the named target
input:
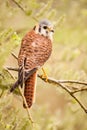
(45, 27)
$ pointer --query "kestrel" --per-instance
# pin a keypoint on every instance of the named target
(36, 48)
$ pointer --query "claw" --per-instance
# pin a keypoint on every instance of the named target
(44, 76)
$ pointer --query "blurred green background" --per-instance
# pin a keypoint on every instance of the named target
(54, 109)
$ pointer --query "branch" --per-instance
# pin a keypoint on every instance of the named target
(23, 10)
(61, 83)
(72, 81)
(19, 6)
(13, 69)
(57, 82)
(14, 56)
(79, 90)
(24, 100)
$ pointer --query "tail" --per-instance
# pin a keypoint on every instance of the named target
(29, 90)
(20, 78)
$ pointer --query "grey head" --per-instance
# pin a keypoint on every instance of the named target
(45, 28)
(45, 22)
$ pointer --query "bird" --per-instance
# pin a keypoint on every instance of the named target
(35, 50)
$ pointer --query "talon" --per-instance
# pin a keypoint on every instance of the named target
(44, 76)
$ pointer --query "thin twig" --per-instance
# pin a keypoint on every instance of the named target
(9, 73)
(79, 90)
(14, 56)
(72, 94)
(13, 69)
(72, 81)
(24, 100)
(20, 7)
(53, 81)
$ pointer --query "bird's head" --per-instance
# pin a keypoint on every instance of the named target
(45, 28)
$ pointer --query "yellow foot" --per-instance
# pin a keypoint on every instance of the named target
(44, 76)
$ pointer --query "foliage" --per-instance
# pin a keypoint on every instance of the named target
(56, 110)
(9, 40)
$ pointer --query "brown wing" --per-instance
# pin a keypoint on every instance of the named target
(36, 49)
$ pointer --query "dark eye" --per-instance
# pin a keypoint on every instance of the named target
(45, 27)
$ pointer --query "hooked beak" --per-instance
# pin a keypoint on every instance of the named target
(50, 29)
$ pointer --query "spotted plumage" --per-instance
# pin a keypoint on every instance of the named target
(36, 48)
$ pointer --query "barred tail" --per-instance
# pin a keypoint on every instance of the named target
(29, 90)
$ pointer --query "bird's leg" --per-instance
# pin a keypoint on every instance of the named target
(44, 75)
